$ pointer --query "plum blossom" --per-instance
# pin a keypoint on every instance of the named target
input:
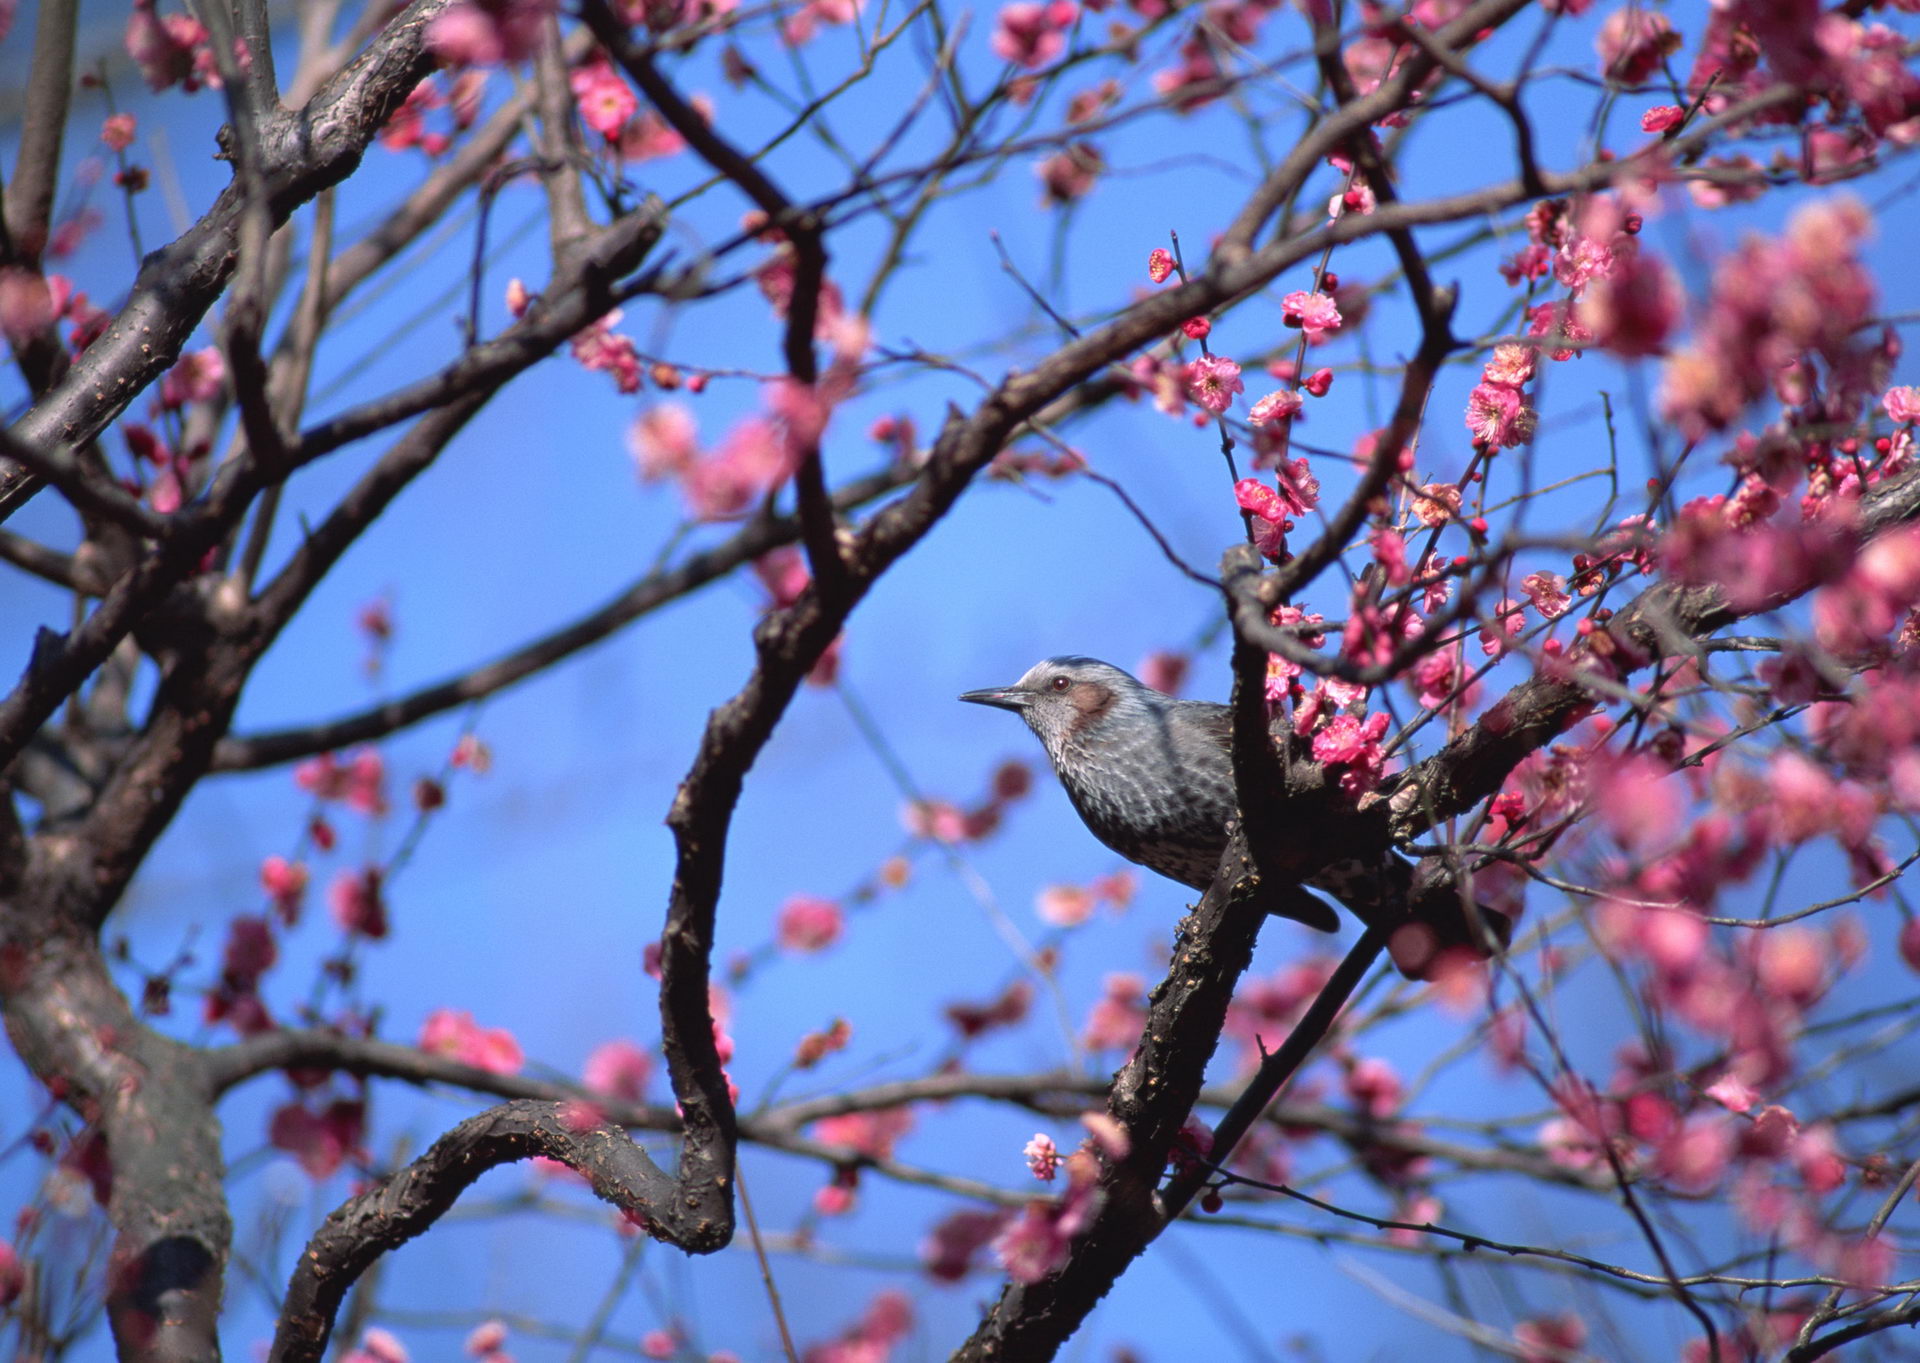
(1498, 416)
(809, 923)
(618, 1069)
(1902, 404)
(357, 904)
(1632, 43)
(1211, 381)
(167, 48)
(1117, 1019)
(1636, 305)
(1356, 745)
(1159, 264)
(868, 1133)
(321, 1141)
(604, 99)
(949, 1250)
(1314, 313)
(1548, 593)
(487, 32)
(1276, 406)
(1662, 117)
(1042, 1156)
(1031, 34)
(455, 1035)
(599, 347)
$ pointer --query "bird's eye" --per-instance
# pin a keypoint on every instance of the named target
(1060, 683)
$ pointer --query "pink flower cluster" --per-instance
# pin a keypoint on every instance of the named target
(1775, 303)
(322, 1139)
(886, 1321)
(173, 49)
(487, 32)
(1032, 34)
(943, 821)
(455, 1035)
(1119, 1016)
(809, 923)
(360, 782)
(1068, 906)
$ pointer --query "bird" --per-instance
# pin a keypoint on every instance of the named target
(1151, 776)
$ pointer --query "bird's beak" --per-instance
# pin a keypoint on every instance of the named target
(1001, 697)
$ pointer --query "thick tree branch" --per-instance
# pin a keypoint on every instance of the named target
(404, 1204)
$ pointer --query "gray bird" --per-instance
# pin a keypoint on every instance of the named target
(1152, 776)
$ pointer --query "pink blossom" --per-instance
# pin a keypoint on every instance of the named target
(1818, 1160)
(13, 1275)
(196, 377)
(164, 48)
(1043, 1157)
(1211, 381)
(1792, 964)
(26, 305)
(1299, 488)
(1498, 416)
(1314, 313)
(1695, 1156)
(1436, 503)
(1637, 801)
(1732, 1094)
(599, 347)
(1910, 943)
(322, 1141)
(810, 923)
(603, 97)
(1550, 1339)
(250, 953)
(1118, 1018)
(949, 1249)
(1033, 1245)
(649, 137)
(1159, 264)
(1439, 679)
(1276, 406)
(455, 1035)
(489, 1337)
(1636, 305)
(1070, 174)
(117, 131)
(377, 1346)
(1902, 404)
(868, 1133)
(618, 1069)
(1347, 741)
(487, 32)
(660, 1344)
(1661, 117)
(1110, 1137)
(1632, 43)
(664, 441)
(1374, 1087)
(286, 882)
(1032, 34)
(1548, 593)
(1581, 260)
(1064, 906)
(357, 904)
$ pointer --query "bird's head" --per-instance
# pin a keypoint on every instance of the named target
(1069, 699)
